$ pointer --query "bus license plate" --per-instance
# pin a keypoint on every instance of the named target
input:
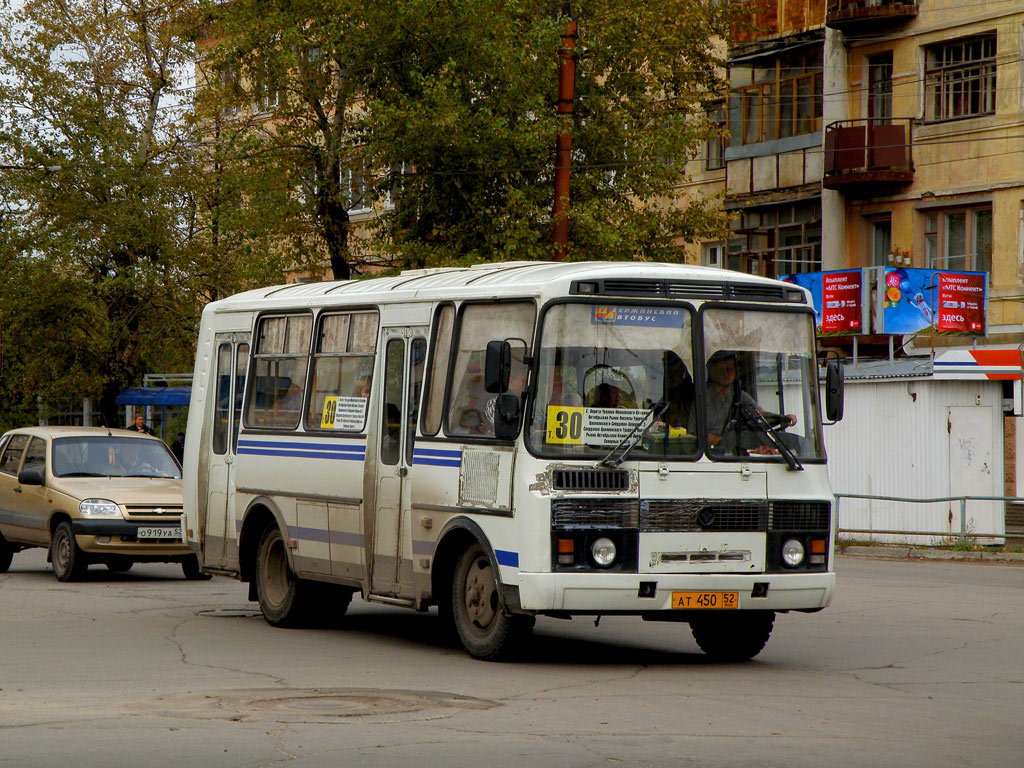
(159, 532)
(705, 600)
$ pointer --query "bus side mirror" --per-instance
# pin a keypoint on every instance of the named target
(497, 366)
(834, 391)
(506, 417)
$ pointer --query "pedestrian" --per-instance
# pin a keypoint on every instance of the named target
(139, 424)
(178, 448)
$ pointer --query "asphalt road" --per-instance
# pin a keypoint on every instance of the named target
(914, 664)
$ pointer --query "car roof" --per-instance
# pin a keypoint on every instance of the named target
(52, 432)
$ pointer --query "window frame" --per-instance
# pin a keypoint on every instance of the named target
(946, 83)
(762, 98)
(427, 397)
(252, 375)
(21, 457)
(936, 239)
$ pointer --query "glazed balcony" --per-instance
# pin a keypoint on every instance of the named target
(850, 14)
(869, 157)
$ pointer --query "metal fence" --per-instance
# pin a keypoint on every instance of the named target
(963, 533)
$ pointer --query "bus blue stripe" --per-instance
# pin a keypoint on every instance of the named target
(507, 558)
(334, 448)
(306, 454)
(436, 462)
(436, 452)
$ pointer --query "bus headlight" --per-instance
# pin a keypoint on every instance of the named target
(603, 551)
(792, 552)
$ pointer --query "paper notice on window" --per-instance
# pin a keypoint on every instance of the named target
(591, 426)
(344, 413)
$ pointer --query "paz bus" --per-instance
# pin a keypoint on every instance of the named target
(514, 440)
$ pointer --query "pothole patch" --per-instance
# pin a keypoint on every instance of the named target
(304, 705)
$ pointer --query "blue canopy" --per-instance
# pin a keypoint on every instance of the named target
(154, 396)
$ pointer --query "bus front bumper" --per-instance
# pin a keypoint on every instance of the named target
(621, 593)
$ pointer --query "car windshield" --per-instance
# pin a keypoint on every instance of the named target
(102, 456)
(602, 369)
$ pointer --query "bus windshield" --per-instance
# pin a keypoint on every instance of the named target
(603, 368)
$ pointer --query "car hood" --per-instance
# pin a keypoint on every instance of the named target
(122, 490)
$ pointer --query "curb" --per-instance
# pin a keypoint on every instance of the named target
(924, 553)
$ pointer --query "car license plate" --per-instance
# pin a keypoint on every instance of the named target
(705, 600)
(159, 532)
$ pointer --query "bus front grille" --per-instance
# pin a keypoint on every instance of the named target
(799, 515)
(695, 515)
(590, 480)
(595, 513)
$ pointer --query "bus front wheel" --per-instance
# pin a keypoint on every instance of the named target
(733, 636)
(487, 632)
(282, 595)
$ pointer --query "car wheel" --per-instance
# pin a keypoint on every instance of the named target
(487, 632)
(69, 562)
(284, 598)
(119, 564)
(738, 636)
(6, 555)
(190, 567)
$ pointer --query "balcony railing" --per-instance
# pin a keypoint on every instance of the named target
(868, 153)
(842, 14)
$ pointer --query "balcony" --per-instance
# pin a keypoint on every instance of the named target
(868, 158)
(851, 14)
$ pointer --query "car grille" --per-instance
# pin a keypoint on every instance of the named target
(153, 510)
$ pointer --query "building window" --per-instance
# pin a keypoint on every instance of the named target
(881, 241)
(714, 254)
(959, 239)
(960, 79)
(776, 100)
(777, 240)
(714, 148)
(880, 88)
(355, 185)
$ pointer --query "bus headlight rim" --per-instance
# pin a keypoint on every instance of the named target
(603, 551)
(793, 552)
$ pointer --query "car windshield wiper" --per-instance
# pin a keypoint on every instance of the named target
(618, 454)
(81, 474)
(756, 419)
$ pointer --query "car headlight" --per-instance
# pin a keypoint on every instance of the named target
(792, 552)
(99, 508)
(603, 552)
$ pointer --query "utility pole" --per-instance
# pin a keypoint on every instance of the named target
(563, 146)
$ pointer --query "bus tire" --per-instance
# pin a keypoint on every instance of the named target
(736, 636)
(486, 631)
(284, 598)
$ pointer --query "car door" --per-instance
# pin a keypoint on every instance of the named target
(13, 525)
(30, 501)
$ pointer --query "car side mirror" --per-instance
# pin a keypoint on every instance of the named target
(834, 391)
(506, 417)
(497, 366)
(30, 477)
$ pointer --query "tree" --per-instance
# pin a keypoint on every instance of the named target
(104, 256)
(447, 110)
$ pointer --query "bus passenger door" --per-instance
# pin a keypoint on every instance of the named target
(220, 540)
(404, 352)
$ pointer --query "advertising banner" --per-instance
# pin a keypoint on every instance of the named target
(839, 300)
(949, 303)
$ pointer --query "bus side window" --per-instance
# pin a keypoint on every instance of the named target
(471, 408)
(342, 371)
(282, 354)
(222, 403)
(391, 413)
(439, 358)
(419, 354)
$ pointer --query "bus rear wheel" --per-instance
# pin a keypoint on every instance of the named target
(284, 598)
(486, 631)
(735, 636)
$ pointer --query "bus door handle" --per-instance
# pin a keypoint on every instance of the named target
(403, 471)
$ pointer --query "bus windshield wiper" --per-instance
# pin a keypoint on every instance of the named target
(618, 454)
(756, 419)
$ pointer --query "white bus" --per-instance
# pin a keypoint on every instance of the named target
(518, 439)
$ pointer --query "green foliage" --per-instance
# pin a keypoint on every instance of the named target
(453, 104)
(105, 256)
